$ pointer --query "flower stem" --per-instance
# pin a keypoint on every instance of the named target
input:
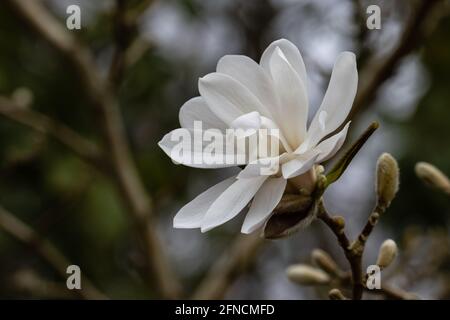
(352, 253)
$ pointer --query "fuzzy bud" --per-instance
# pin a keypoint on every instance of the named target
(387, 253)
(433, 177)
(307, 275)
(324, 261)
(291, 214)
(336, 294)
(387, 179)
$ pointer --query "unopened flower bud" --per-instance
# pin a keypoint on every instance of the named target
(307, 275)
(387, 179)
(336, 294)
(291, 214)
(433, 177)
(324, 261)
(387, 253)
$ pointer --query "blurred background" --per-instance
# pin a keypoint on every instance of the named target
(59, 209)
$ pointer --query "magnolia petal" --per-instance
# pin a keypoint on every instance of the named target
(266, 199)
(196, 109)
(192, 214)
(330, 146)
(293, 112)
(275, 132)
(226, 97)
(262, 167)
(252, 76)
(179, 146)
(231, 202)
(291, 53)
(338, 99)
(300, 164)
(251, 120)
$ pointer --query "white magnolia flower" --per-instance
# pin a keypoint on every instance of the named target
(245, 94)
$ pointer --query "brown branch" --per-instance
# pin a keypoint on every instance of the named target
(123, 38)
(353, 250)
(46, 250)
(361, 240)
(237, 259)
(124, 170)
(27, 281)
(43, 124)
(128, 45)
(389, 292)
(379, 70)
(393, 293)
(354, 257)
(132, 16)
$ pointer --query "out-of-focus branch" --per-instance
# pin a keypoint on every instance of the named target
(29, 282)
(125, 174)
(128, 45)
(238, 258)
(363, 32)
(43, 124)
(123, 37)
(22, 232)
(393, 293)
(380, 69)
(137, 11)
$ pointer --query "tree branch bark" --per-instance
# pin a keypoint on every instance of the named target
(354, 257)
(46, 250)
(379, 70)
(43, 124)
(124, 171)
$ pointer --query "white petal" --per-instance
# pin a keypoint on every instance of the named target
(192, 214)
(247, 121)
(330, 146)
(181, 146)
(338, 99)
(244, 126)
(293, 112)
(262, 167)
(196, 109)
(226, 97)
(300, 164)
(275, 132)
(231, 202)
(306, 159)
(291, 53)
(252, 76)
(266, 199)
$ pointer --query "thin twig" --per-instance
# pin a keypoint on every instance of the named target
(128, 45)
(368, 228)
(25, 234)
(31, 283)
(353, 256)
(122, 35)
(393, 293)
(41, 123)
(379, 70)
(125, 173)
